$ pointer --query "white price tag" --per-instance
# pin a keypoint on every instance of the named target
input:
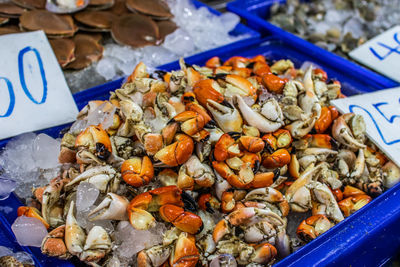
(381, 113)
(33, 92)
(382, 53)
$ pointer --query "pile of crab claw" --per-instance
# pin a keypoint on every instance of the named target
(220, 154)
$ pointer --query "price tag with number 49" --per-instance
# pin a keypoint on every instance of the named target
(33, 92)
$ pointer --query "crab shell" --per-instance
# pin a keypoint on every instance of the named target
(154, 8)
(113, 207)
(64, 50)
(53, 244)
(144, 33)
(52, 24)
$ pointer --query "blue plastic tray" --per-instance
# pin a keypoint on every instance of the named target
(257, 12)
(360, 240)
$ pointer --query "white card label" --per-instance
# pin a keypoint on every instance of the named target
(33, 92)
(381, 113)
(382, 53)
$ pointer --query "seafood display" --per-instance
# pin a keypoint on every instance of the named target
(205, 166)
(338, 26)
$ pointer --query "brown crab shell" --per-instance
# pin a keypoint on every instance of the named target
(9, 29)
(166, 27)
(119, 8)
(30, 4)
(154, 8)
(87, 50)
(10, 10)
(135, 30)
(100, 4)
(94, 20)
(53, 25)
(64, 50)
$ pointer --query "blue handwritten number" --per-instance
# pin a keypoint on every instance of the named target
(12, 98)
(352, 107)
(391, 49)
(22, 74)
(391, 119)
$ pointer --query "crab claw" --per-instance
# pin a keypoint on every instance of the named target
(50, 196)
(208, 89)
(270, 195)
(185, 252)
(183, 220)
(113, 207)
(191, 122)
(96, 140)
(53, 244)
(99, 176)
(278, 159)
(392, 174)
(324, 195)
(262, 121)
(252, 144)
(97, 245)
(154, 256)
(228, 118)
(225, 147)
(343, 134)
(312, 227)
(178, 152)
(301, 128)
(137, 172)
(74, 234)
(264, 253)
(250, 215)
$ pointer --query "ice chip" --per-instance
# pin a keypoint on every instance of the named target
(86, 195)
(179, 42)
(4, 251)
(29, 231)
(7, 186)
(106, 67)
(45, 151)
(229, 20)
(24, 257)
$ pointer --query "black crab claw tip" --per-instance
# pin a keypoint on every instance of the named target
(188, 202)
(211, 124)
(102, 152)
(160, 74)
(188, 65)
(313, 131)
(200, 229)
(277, 173)
(189, 98)
(226, 103)
(293, 151)
(234, 135)
(256, 166)
(335, 144)
(250, 65)
(209, 208)
(221, 75)
(268, 148)
(171, 121)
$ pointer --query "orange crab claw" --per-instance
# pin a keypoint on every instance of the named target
(237, 62)
(351, 204)
(153, 142)
(220, 230)
(319, 140)
(270, 142)
(278, 159)
(380, 156)
(191, 122)
(321, 74)
(137, 172)
(32, 212)
(53, 244)
(264, 253)
(283, 138)
(273, 83)
(312, 227)
(294, 167)
(192, 76)
(228, 202)
(252, 144)
(208, 202)
(324, 120)
(242, 72)
(337, 193)
(260, 69)
(334, 112)
(185, 252)
(242, 83)
(223, 70)
(178, 152)
(351, 191)
(225, 147)
(139, 72)
(213, 62)
(205, 89)
(181, 219)
(97, 140)
(258, 58)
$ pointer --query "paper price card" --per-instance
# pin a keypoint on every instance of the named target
(381, 53)
(381, 113)
(33, 92)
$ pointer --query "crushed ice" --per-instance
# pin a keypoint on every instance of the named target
(31, 161)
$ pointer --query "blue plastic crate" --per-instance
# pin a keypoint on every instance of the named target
(257, 12)
(368, 238)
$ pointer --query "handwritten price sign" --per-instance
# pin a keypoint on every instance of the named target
(381, 53)
(381, 112)
(33, 91)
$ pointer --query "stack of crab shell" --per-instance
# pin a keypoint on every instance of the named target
(221, 154)
(76, 39)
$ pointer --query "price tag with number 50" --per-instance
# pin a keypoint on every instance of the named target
(33, 91)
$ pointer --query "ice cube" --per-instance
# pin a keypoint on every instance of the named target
(102, 116)
(6, 187)
(179, 42)
(106, 67)
(24, 257)
(229, 20)
(86, 195)
(29, 231)
(4, 251)
(45, 151)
